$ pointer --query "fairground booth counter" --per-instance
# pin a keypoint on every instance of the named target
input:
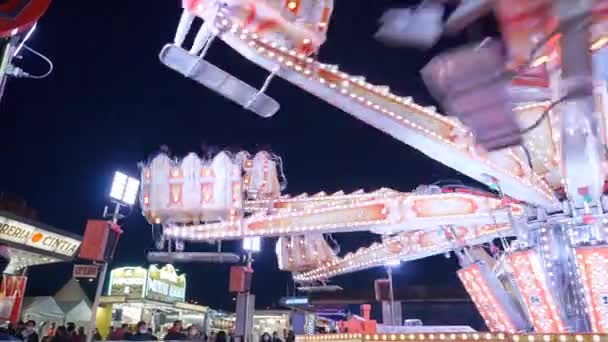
(154, 295)
(269, 321)
(220, 321)
(264, 321)
(28, 243)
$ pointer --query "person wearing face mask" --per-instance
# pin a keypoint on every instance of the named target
(142, 333)
(265, 337)
(29, 334)
(194, 334)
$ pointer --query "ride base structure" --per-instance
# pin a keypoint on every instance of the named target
(545, 202)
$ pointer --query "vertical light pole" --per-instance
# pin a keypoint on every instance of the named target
(123, 193)
(245, 301)
(251, 245)
(389, 270)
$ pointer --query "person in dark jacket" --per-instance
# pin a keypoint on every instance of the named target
(29, 334)
(275, 337)
(291, 336)
(142, 333)
(61, 335)
(175, 333)
(221, 336)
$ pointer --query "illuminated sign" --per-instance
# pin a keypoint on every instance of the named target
(28, 235)
(128, 281)
(295, 301)
(85, 271)
(163, 284)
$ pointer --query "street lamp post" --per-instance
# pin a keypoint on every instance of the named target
(123, 193)
(389, 270)
(245, 300)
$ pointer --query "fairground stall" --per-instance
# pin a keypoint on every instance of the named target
(269, 321)
(220, 321)
(29, 243)
(154, 295)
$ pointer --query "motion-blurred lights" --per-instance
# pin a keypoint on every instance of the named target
(392, 263)
(124, 188)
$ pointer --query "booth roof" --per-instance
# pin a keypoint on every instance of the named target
(72, 292)
(44, 306)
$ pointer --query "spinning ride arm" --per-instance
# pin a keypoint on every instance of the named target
(442, 138)
(383, 214)
(408, 246)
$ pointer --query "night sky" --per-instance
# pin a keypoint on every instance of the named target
(110, 103)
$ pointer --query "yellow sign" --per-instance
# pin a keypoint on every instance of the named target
(128, 281)
(163, 284)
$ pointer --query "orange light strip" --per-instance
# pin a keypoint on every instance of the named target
(452, 336)
(531, 281)
(405, 246)
(487, 304)
(374, 213)
(592, 263)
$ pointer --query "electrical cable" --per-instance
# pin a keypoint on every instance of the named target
(20, 73)
(46, 59)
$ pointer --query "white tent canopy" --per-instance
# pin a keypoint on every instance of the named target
(42, 309)
(74, 303)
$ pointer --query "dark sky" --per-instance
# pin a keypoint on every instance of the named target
(110, 103)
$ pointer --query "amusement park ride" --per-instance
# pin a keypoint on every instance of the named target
(528, 117)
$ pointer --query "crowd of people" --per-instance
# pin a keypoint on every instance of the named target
(27, 332)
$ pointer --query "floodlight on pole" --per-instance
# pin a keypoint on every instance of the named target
(252, 244)
(124, 193)
(124, 188)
